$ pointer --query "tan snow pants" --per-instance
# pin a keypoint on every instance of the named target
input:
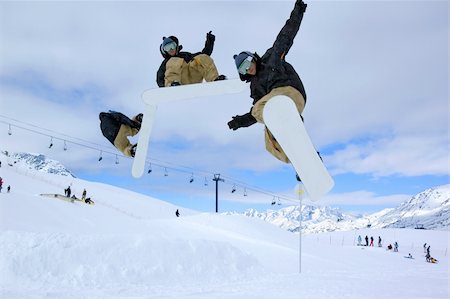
(199, 68)
(272, 146)
(121, 142)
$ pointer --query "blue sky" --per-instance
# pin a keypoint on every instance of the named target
(375, 72)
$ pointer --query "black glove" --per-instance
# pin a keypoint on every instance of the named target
(302, 5)
(240, 121)
(175, 83)
(210, 37)
(234, 123)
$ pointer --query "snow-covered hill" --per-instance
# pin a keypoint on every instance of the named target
(314, 219)
(129, 245)
(429, 209)
(37, 162)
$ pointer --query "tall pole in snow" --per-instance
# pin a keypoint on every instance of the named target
(300, 197)
(217, 179)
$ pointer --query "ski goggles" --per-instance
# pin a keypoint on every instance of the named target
(245, 65)
(170, 46)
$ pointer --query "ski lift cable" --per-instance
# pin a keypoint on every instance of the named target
(162, 164)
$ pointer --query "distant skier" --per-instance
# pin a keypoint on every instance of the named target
(428, 249)
(395, 246)
(371, 241)
(116, 127)
(1, 184)
(359, 240)
(177, 213)
(180, 68)
(367, 240)
(83, 196)
(8, 189)
(425, 248)
(68, 191)
(271, 75)
(379, 242)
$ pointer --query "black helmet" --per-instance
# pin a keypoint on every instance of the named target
(167, 41)
(238, 59)
(242, 57)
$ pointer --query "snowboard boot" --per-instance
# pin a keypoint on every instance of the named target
(220, 78)
(133, 150)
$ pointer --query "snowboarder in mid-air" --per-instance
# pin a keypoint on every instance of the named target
(269, 76)
(116, 127)
(180, 68)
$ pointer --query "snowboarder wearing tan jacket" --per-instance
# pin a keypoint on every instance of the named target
(117, 127)
(180, 68)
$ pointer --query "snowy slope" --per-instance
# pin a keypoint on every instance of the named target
(429, 209)
(129, 245)
(36, 162)
(314, 219)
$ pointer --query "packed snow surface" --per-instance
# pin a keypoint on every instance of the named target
(128, 245)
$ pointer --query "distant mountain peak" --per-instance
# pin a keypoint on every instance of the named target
(429, 209)
(39, 162)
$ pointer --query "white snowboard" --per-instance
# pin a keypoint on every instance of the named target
(154, 97)
(283, 120)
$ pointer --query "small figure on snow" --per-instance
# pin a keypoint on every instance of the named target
(116, 127)
(83, 196)
(68, 191)
(177, 213)
(180, 68)
(389, 247)
(379, 242)
(367, 241)
(371, 241)
(269, 76)
(395, 246)
(8, 189)
(1, 184)
(359, 240)
(425, 248)
(428, 249)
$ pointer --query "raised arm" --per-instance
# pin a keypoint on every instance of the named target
(209, 44)
(285, 38)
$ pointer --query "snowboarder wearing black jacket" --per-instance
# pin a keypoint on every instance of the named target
(269, 76)
(116, 127)
(179, 68)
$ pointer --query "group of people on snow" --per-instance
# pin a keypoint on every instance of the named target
(269, 75)
(367, 241)
(395, 247)
(428, 256)
(68, 192)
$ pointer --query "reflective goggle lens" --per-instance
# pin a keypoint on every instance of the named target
(170, 46)
(245, 65)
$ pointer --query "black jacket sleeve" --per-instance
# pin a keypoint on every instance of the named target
(285, 38)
